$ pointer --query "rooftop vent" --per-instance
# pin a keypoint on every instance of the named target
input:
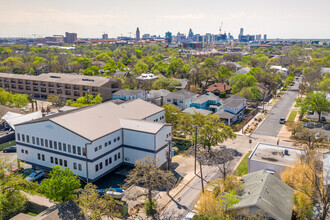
(55, 77)
(90, 80)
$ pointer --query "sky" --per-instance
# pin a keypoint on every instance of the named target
(303, 19)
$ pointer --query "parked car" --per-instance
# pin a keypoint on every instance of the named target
(11, 149)
(35, 175)
(310, 112)
(323, 118)
(117, 193)
(282, 120)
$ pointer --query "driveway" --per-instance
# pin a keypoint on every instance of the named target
(271, 126)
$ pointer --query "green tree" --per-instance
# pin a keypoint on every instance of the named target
(138, 54)
(240, 81)
(147, 174)
(223, 74)
(140, 67)
(166, 83)
(325, 84)
(61, 186)
(316, 102)
(93, 70)
(251, 93)
(85, 100)
(172, 116)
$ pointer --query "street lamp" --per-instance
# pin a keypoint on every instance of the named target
(85, 151)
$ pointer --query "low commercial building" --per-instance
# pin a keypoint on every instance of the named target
(69, 86)
(93, 141)
(273, 158)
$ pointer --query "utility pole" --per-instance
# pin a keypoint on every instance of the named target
(196, 133)
(169, 155)
(200, 166)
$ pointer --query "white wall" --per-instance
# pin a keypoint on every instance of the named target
(164, 134)
(132, 155)
(139, 139)
(259, 165)
(160, 116)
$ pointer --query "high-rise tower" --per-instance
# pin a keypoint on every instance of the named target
(137, 34)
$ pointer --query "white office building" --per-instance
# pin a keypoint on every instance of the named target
(92, 141)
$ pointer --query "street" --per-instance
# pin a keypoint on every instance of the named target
(271, 126)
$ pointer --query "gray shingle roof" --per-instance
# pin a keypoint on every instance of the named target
(244, 70)
(203, 98)
(129, 92)
(194, 110)
(181, 94)
(153, 94)
(233, 101)
(268, 193)
(226, 115)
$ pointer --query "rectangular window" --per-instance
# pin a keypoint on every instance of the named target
(43, 157)
(22, 151)
(114, 140)
(59, 146)
(100, 147)
(27, 139)
(79, 150)
(55, 145)
(69, 148)
(101, 165)
(109, 142)
(33, 140)
(75, 166)
(110, 160)
(118, 138)
(106, 162)
(56, 160)
(42, 142)
(95, 149)
(37, 141)
(84, 151)
(50, 144)
(74, 149)
(65, 163)
(18, 137)
(27, 152)
(79, 167)
(64, 147)
(46, 143)
(119, 155)
(115, 157)
(52, 159)
(38, 156)
(61, 162)
(96, 167)
(105, 144)
(23, 137)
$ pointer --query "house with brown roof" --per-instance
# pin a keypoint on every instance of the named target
(219, 88)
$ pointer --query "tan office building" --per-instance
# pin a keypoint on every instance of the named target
(69, 86)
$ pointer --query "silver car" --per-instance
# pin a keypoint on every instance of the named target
(35, 175)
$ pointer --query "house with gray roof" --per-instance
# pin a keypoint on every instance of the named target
(208, 101)
(194, 110)
(157, 96)
(244, 70)
(129, 94)
(181, 98)
(233, 109)
(265, 195)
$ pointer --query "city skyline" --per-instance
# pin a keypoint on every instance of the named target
(280, 19)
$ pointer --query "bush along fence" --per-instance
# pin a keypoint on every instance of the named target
(239, 126)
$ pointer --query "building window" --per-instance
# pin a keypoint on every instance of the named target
(65, 163)
(79, 167)
(105, 144)
(106, 162)
(96, 167)
(61, 162)
(33, 140)
(46, 143)
(43, 157)
(110, 160)
(95, 149)
(27, 139)
(181, 101)
(37, 141)
(26, 152)
(79, 150)
(115, 157)
(119, 155)
(84, 151)
(69, 148)
(59, 146)
(109, 142)
(64, 147)
(38, 156)
(118, 138)
(52, 159)
(23, 137)
(50, 144)
(75, 166)
(42, 141)
(22, 151)
(56, 160)
(18, 137)
(55, 145)
(114, 140)
(74, 149)
(101, 165)
(100, 147)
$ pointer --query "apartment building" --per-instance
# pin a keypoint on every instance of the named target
(94, 140)
(69, 86)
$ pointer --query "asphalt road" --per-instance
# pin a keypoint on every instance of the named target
(271, 126)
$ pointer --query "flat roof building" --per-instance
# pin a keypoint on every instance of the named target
(94, 140)
(69, 86)
(273, 158)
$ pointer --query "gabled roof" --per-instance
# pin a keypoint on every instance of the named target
(224, 114)
(96, 121)
(206, 97)
(193, 110)
(181, 94)
(129, 92)
(141, 125)
(268, 193)
(234, 101)
(184, 83)
(221, 87)
(20, 118)
(153, 94)
(244, 70)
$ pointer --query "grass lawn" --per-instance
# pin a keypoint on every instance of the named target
(242, 168)
(7, 144)
(292, 115)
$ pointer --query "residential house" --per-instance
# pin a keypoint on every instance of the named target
(128, 94)
(208, 101)
(119, 73)
(233, 66)
(324, 70)
(194, 110)
(146, 79)
(244, 70)
(184, 84)
(279, 69)
(219, 89)
(158, 97)
(265, 195)
(273, 158)
(94, 140)
(233, 109)
(180, 98)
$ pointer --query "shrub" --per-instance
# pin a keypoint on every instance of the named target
(150, 207)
